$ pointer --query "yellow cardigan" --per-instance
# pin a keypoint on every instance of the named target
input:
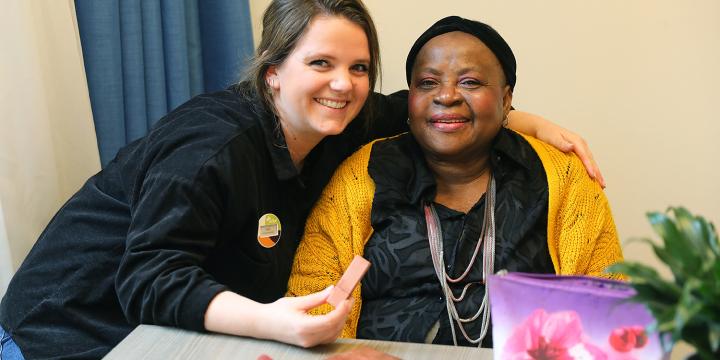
(581, 233)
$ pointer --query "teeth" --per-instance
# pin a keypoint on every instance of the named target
(450, 121)
(332, 104)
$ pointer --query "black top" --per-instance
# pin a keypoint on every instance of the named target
(401, 294)
(171, 222)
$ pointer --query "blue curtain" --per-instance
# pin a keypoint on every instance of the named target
(143, 58)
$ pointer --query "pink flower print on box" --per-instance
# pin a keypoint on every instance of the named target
(555, 336)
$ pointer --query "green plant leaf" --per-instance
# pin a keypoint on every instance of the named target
(643, 274)
(666, 341)
(688, 306)
(655, 298)
(676, 246)
(697, 336)
(659, 251)
(710, 289)
(634, 270)
(710, 235)
(664, 319)
(701, 233)
(713, 239)
(714, 337)
(715, 282)
(687, 225)
(674, 263)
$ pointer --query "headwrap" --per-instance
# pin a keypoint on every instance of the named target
(484, 32)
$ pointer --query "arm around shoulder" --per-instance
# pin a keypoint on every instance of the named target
(589, 242)
(582, 237)
(562, 139)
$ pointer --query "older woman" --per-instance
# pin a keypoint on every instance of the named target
(458, 198)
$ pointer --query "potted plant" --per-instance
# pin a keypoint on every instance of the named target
(687, 307)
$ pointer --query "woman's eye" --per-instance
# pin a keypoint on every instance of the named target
(319, 63)
(426, 84)
(360, 68)
(471, 83)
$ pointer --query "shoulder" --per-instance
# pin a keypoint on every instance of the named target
(221, 113)
(355, 170)
(358, 161)
(545, 150)
(559, 166)
(388, 114)
(208, 135)
(397, 99)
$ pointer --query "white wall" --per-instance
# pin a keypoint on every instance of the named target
(47, 138)
(6, 268)
(636, 78)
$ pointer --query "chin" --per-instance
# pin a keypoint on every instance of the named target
(440, 150)
(333, 128)
(328, 131)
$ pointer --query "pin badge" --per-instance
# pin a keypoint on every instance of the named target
(269, 230)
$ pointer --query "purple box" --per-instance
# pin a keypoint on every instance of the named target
(547, 317)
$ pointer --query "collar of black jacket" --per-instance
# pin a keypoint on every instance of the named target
(398, 166)
(274, 137)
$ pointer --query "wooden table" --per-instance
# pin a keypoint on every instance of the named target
(156, 342)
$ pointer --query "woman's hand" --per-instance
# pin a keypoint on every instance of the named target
(285, 320)
(557, 136)
(293, 324)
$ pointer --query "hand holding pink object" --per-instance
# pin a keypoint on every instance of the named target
(357, 269)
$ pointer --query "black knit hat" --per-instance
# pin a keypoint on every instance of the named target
(484, 32)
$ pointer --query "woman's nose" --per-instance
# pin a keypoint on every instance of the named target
(341, 81)
(447, 95)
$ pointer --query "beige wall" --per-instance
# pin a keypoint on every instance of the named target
(47, 139)
(638, 79)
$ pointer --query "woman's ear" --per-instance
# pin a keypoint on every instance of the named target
(271, 78)
(507, 100)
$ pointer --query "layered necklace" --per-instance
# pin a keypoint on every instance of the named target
(487, 241)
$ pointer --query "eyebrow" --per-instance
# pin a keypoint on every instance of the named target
(431, 71)
(462, 71)
(313, 55)
(468, 69)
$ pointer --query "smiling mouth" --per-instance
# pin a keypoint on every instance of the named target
(331, 103)
(448, 118)
(449, 121)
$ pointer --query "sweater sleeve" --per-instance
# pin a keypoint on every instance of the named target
(581, 231)
(176, 212)
(587, 238)
(160, 279)
(335, 232)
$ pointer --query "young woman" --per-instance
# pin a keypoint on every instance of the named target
(196, 224)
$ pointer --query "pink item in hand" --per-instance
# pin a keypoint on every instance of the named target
(348, 281)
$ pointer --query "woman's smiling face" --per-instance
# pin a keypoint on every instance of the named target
(458, 97)
(323, 83)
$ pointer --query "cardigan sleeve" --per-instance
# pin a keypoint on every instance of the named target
(587, 238)
(581, 231)
(336, 230)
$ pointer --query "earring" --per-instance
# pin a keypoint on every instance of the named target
(408, 121)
